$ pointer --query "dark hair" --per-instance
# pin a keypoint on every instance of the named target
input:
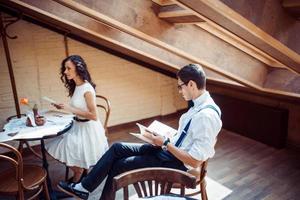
(193, 72)
(81, 70)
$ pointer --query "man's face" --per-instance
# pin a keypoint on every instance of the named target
(184, 89)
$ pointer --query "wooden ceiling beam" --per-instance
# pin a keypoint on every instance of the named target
(164, 2)
(48, 11)
(46, 14)
(136, 33)
(177, 15)
(220, 14)
(293, 7)
(96, 35)
(242, 45)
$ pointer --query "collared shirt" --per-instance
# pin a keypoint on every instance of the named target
(204, 128)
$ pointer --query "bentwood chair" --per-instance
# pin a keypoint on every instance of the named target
(158, 179)
(22, 143)
(104, 107)
(21, 181)
(199, 173)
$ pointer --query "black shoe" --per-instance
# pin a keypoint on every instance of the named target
(69, 189)
(71, 180)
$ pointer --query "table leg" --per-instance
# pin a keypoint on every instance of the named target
(45, 165)
(54, 195)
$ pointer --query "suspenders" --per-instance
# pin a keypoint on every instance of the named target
(187, 126)
(166, 155)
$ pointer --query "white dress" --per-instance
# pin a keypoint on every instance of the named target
(85, 143)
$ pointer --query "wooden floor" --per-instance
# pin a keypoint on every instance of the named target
(250, 169)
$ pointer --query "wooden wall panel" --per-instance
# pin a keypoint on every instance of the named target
(263, 123)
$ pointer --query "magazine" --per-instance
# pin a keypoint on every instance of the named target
(155, 128)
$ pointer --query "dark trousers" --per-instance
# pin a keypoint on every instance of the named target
(122, 157)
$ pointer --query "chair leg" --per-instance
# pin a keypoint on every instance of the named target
(203, 191)
(46, 191)
(20, 147)
(67, 174)
(21, 194)
(32, 150)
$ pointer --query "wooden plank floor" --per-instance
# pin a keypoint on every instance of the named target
(250, 169)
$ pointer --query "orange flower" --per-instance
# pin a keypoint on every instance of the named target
(24, 101)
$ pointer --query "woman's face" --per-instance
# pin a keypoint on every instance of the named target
(70, 70)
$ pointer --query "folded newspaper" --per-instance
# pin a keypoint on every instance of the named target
(156, 128)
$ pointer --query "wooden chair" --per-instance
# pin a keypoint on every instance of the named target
(21, 180)
(159, 180)
(22, 143)
(104, 104)
(199, 173)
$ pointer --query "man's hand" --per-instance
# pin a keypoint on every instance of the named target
(157, 140)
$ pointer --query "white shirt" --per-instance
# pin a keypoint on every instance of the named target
(205, 125)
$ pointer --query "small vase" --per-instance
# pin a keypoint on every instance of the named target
(39, 120)
(35, 111)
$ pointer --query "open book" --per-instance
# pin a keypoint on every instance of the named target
(156, 128)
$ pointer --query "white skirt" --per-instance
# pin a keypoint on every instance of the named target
(82, 146)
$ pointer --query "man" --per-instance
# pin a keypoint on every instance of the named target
(193, 144)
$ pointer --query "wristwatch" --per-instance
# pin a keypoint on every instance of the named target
(165, 144)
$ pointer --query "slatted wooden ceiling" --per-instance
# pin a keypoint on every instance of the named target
(98, 22)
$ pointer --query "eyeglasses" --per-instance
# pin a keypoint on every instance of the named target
(180, 86)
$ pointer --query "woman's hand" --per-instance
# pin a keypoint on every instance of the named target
(58, 106)
(62, 106)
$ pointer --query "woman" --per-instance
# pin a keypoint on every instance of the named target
(84, 144)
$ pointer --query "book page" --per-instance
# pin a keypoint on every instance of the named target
(142, 137)
(162, 129)
(142, 128)
(156, 128)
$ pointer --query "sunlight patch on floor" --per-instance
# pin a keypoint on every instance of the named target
(215, 190)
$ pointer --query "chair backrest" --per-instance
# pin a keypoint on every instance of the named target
(17, 161)
(199, 172)
(19, 178)
(159, 180)
(104, 104)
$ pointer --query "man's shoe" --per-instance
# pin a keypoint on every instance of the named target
(70, 190)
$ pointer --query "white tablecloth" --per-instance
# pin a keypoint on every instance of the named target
(16, 129)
